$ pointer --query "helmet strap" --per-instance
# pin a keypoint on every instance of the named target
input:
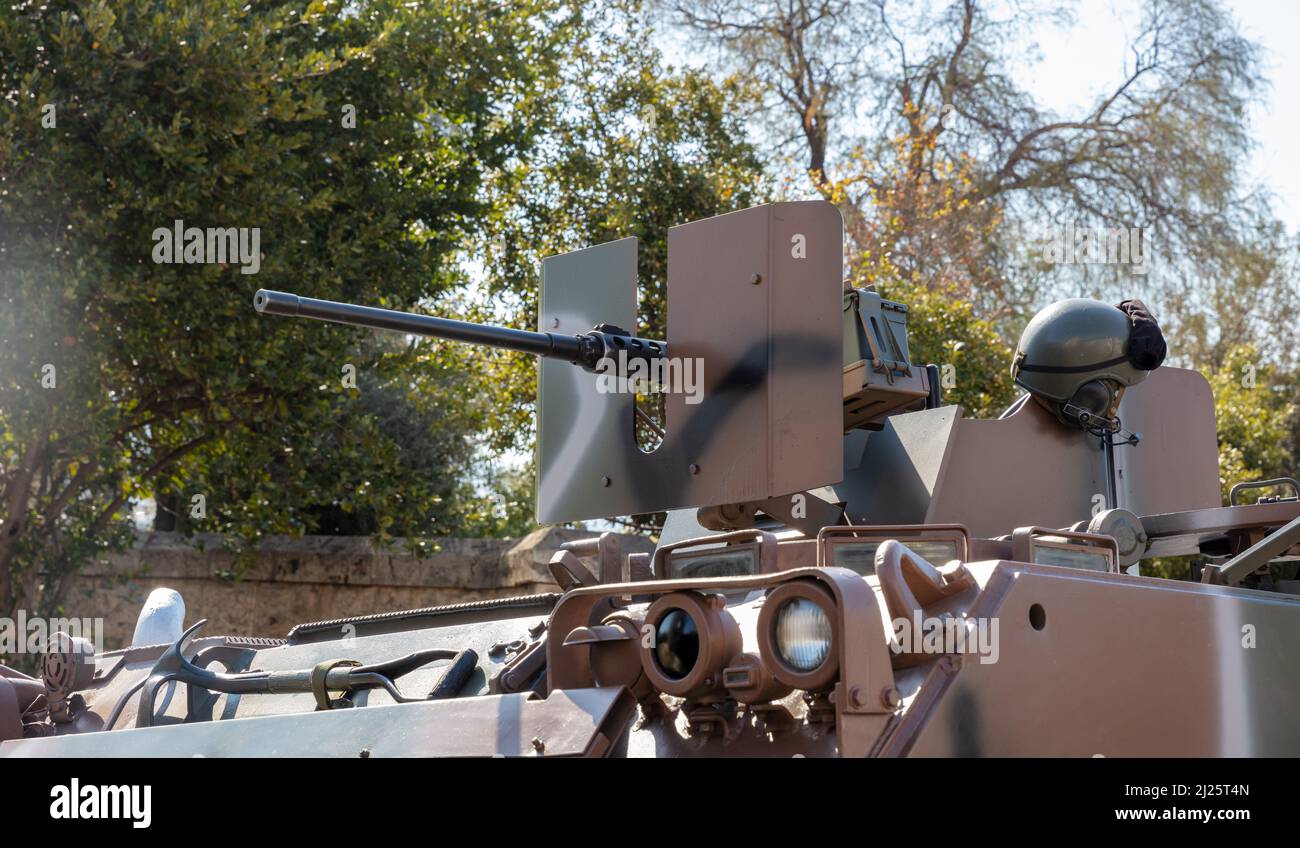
(1098, 425)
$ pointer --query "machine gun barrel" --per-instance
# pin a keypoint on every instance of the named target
(585, 349)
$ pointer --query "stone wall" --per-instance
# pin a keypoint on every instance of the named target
(311, 578)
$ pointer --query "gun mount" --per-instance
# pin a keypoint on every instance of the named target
(781, 360)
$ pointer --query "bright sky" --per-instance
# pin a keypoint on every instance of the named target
(1276, 25)
(1079, 62)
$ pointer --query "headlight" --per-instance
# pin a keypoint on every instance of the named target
(803, 634)
(797, 635)
(693, 636)
(677, 643)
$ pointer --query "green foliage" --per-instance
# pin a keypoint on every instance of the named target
(1255, 407)
(235, 115)
(1169, 568)
(633, 147)
(943, 329)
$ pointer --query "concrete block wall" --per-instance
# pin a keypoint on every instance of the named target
(311, 578)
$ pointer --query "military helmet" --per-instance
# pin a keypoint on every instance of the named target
(1082, 353)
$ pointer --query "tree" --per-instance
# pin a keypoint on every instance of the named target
(353, 138)
(844, 82)
(633, 147)
(974, 362)
(1254, 411)
(944, 327)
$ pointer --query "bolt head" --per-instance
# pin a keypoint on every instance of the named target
(756, 279)
(605, 481)
(693, 468)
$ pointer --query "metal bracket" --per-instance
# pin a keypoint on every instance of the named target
(1261, 553)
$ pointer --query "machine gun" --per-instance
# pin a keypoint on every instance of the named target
(787, 360)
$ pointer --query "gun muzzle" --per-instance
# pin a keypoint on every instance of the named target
(276, 303)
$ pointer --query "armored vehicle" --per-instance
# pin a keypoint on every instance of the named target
(849, 567)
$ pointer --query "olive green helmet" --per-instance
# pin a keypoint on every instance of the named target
(1077, 355)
